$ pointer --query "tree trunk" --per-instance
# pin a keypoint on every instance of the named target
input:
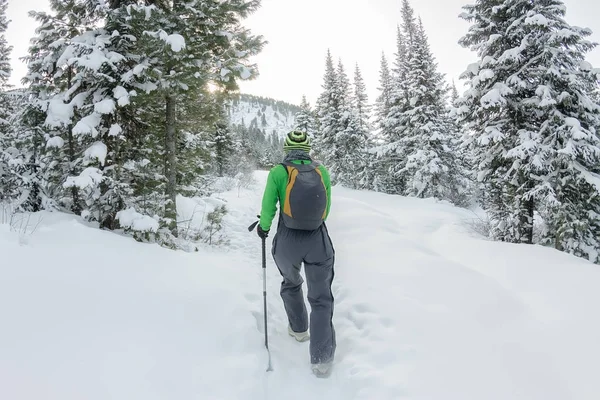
(76, 206)
(34, 195)
(171, 164)
(530, 210)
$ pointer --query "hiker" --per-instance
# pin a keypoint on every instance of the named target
(302, 188)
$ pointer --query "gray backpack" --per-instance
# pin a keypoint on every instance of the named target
(305, 198)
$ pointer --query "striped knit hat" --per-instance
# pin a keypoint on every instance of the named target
(297, 140)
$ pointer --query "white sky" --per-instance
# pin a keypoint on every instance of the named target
(299, 33)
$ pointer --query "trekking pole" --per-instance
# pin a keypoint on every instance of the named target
(264, 267)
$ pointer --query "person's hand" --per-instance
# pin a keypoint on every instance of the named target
(262, 233)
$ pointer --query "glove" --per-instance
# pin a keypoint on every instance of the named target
(262, 233)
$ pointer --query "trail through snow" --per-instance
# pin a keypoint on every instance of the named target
(424, 310)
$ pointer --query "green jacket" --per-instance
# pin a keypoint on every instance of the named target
(275, 193)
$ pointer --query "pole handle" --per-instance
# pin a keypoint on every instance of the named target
(251, 227)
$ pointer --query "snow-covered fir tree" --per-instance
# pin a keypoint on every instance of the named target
(532, 123)
(361, 104)
(341, 141)
(5, 51)
(305, 119)
(417, 156)
(430, 159)
(453, 94)
(120, 116)
(343, 87)
(328, 113)
(189, 44)
(351, 142)
(384, 100)
(223, 143)
(6, 110)
(390, 159)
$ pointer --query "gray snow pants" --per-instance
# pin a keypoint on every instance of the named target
(291, 248)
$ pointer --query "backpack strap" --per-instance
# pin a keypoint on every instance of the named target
(300, 167)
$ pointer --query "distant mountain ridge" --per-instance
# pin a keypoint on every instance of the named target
(263, 113)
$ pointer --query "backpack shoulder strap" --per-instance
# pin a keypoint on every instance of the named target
(300, 167)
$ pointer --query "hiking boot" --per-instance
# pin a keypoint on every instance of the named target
(322, 370)
(299, 336)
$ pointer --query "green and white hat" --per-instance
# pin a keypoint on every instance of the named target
(297, 140)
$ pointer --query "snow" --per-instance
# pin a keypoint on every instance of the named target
(87, 125)
(119, 92)
(89, 177)
(135, 221)
(94, 61)
(473, 69)
(176, 41)
(493, 98)
(59, 113)
(486, 74)
(115, 130)
(425, 309)
(55, 142)
(106, 106)
(225, 72)
(511, 55)
(537, 19)
(586, 66)
(245, 73)
(573, 123)
(97, 151)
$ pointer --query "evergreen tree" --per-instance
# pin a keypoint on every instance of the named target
(50, 149)
(430, 161)
(305, 119)
(207, 43)
(361, 101)
(345, 129)
(390, 159)
(533, 122)
(120, 114)
(348, 159)
(384, 100)
(343, 88)
(328, 111)
(6, 110)
(224, 146)
(453, 94)
(341, 140)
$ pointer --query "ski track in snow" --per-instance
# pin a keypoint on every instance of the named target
(424, 310)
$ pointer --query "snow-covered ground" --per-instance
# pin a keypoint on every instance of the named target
(424, 310)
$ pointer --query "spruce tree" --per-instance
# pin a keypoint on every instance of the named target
(351, 160)
(5, 50)
(361, 101)
(533, 122)
(328, 112)
(384, 100)
(390, 159)
(6, 110)
(224, 146)
(305, 119)
(340, 163)
(430, 160)
(104, 77)
(454, 94)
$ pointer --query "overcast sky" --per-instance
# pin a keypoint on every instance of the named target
(299, 33)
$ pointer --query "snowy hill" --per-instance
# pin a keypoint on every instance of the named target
(266, 114)
(424, 310)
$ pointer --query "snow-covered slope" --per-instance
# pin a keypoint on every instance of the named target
(424, 310)
(265, 114)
